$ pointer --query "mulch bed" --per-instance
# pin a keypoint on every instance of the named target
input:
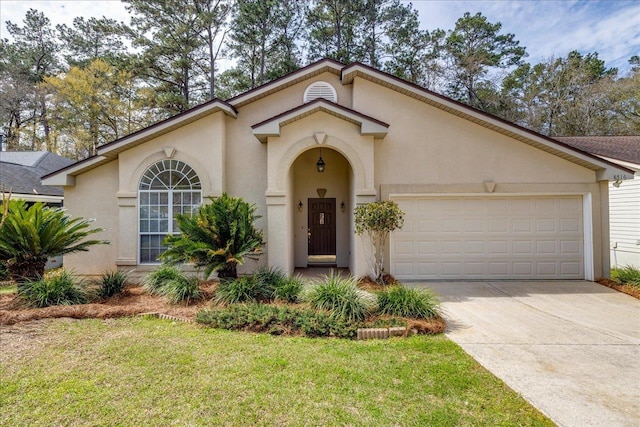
(135, 301)
(627, 289)
(368, 284)
(132, 302)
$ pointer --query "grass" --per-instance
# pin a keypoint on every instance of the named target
(8, 288)
(136, 371)
(627, 275)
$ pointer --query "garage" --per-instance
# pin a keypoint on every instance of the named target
(489, 237)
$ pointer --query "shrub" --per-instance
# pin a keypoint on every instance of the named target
(289, 289)
(57, 288)
(181, 289)
(376, 221)
(155, 281)
(277, 320)
(112, 283)
(270, 278)
(405, 302)
(218, 237)
(4, 272)
(341, 298)
(243, 289)
(30, 235)
(274, 284)
(627, 275)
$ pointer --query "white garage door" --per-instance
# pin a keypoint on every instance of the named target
(489, 238)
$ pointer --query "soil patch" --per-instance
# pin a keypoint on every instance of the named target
(368, 284)
(133, 301)
(627, 289)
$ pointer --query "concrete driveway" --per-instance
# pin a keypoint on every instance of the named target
(571, 348)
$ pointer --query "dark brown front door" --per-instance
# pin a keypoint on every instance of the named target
(322, 226)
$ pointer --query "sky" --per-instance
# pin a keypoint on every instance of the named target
(547, 28)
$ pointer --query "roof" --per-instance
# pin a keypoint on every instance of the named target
(605, 170)
(271, 127)
(625, 148)
(21, 171)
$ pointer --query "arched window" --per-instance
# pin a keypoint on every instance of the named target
(167, 188)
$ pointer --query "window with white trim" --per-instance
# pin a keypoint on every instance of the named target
(167, 188)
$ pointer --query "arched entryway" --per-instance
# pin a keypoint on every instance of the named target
(322, 213)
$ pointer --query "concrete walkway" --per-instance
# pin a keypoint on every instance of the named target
(572, 349)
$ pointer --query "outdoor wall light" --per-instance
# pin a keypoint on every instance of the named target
(300, 205)
(320, 163)
(342, 206)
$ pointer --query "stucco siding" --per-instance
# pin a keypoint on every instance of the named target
(425, 152)
(428, 145)
(94, 197)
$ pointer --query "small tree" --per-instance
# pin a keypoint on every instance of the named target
(376, 221)
(32, 234)
(217, 238)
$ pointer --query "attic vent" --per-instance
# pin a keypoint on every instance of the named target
(320, 90)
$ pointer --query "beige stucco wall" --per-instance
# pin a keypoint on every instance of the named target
(94, 196)
(426, 151)
(430, 151)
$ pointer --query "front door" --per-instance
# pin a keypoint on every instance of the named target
(322, 231)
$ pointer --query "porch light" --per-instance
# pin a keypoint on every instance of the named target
(300, 205)
(320, 163)
(342, 206)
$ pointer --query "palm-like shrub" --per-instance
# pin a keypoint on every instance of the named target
(217, 237)
(405, 302)
(32, 234)
(56, 288)
(341, 297)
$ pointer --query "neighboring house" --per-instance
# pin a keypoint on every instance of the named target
(624, 197)
(483, 198)
(21, 173)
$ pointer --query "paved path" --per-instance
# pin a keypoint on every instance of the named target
(570, 348)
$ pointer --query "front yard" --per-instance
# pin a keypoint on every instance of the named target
(140, 371)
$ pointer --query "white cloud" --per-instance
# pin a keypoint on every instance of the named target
(552, 28)
(61, 12)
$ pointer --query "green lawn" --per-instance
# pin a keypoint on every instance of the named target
(156, 372)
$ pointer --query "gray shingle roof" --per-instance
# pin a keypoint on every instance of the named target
(625, 148)
(20, 171)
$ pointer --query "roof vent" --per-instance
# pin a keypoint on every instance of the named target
(320, 90)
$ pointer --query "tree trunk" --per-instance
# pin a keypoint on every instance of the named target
(27, 270)
(229, 271)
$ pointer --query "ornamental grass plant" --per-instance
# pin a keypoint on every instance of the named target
(405, 302)
(59, 287)
(341, 297)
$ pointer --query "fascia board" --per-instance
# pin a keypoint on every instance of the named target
(272, 127)
(605, 170)
(66, 177)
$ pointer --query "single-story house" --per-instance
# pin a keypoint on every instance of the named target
(624, 197)
(21, 173)
(483, 198)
